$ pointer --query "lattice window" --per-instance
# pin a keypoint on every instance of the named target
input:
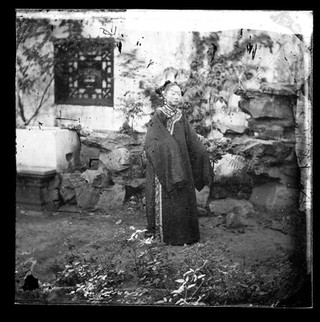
(84, 71)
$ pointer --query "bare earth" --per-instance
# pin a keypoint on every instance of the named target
(46, 240)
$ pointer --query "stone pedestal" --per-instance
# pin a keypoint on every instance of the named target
(32, 187)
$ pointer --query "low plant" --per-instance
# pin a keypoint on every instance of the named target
(151, 262)
(189, 291)
(202, 274)
(93, 280)
(100, 278)
(210, 277)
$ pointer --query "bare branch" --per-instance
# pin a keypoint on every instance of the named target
(41, 101)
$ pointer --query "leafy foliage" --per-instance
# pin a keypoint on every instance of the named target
(151, 264)
(35, 61)
(190, 285)
(209, 277)
(134, 100)
(28, 59)
(213, 78)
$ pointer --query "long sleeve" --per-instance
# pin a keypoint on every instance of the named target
(199, 158)
(164, 153)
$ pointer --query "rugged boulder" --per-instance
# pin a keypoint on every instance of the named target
(87, 196)
(70, 181)
(97, 178)
(116, 160)
(108, 140)
(271, 151)
(111, 198)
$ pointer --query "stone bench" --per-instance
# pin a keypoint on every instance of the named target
(32, 186)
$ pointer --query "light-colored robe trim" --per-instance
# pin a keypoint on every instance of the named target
(173, 118)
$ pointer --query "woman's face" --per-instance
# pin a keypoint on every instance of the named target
(173, 96)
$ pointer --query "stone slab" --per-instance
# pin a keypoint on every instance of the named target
(36, 172)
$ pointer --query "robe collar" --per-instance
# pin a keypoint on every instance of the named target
(168, 112)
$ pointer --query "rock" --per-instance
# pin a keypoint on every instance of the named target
(135, 171)
(87, 196)
(287, 174)
(279, 89)
(225, 206)
(275, 197)
(137, 183)
(269, 159)
(121, 177)
(270, 154)
(97, 178)
(90, 175)
(268, 88)
(108, 140)
(236, 121)
(69, 181)
(215, 135)
(267, 106)
(116, 160)
(237, 217)
(202, 196)
(102, 180)
(111, 198)
(75, 179)
(68, 194)
(274, 129)
(267, 151)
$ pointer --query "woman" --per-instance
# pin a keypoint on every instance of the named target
(177, 163)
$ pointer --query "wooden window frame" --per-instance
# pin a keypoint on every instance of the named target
(84, 71)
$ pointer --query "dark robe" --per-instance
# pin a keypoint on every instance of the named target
(180, 162)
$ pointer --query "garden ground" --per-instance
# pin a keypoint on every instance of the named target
(90, 257)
